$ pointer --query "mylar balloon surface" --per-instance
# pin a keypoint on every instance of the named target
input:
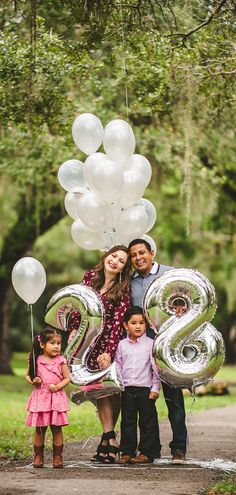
(29, 279)
(84, 300)
(188, 349)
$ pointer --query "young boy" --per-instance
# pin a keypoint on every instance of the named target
(142, 384)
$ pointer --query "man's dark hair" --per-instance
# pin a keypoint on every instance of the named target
(140, 241)
(133, 310)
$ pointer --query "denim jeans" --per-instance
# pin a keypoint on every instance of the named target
(176, 414)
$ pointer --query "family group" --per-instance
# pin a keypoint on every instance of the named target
(121, 279)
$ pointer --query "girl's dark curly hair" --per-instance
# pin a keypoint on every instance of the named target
(44, 336)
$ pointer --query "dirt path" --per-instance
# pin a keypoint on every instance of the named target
(212, 449)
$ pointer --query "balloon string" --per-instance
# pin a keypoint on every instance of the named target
(32, 333)
(124, 63)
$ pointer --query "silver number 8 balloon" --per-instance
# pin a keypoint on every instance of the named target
(87, 303)
(188, 349)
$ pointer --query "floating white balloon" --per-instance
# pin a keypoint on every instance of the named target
(108, 179)
(71, 176)
(133, 189)
(87, 132)
(119, 140)
(93, 212)
(29, 279)
(110, 209)
(132, 223)
(140, 164)
(86, 238)
(72, 204)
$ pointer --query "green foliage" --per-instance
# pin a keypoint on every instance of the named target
(69, 57)
(225, 487)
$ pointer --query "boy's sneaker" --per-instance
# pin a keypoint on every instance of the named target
(178, 458)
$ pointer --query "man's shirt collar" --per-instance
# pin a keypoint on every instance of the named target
(153, 271)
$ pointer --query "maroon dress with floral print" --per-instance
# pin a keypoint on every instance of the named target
(113, 330)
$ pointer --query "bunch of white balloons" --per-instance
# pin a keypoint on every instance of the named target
(104, 194)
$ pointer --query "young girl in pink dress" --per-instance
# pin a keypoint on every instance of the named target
(47, 405)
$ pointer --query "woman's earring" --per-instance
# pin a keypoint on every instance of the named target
(120, 278)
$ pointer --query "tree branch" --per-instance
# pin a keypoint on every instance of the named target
(202, 25)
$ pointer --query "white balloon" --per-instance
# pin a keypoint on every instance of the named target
(132, 224)
(133, 189)
(151, 241)
(72, 203)
(150, 210)
(119, 140)
(87, 132)
(90, 165)
(71, 176)
(140, 164)
(28, 279)
(93, 212)
(85, 238)
(108, 179)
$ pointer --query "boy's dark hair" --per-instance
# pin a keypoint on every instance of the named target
(140, 241)
(133, 310)
(45, 335)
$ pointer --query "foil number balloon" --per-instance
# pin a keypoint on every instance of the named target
(84, 300)
(188, 349)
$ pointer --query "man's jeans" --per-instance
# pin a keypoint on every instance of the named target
(176, 413)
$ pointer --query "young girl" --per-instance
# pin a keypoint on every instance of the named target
(47, 405)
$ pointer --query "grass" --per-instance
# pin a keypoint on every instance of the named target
(83, 422)
(225, 487)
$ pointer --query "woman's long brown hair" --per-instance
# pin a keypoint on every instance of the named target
(122, 280)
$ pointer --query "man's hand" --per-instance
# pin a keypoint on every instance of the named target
(104, 360)
(153, 395)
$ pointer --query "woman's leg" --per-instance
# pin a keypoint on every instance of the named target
(108, 412)
(116, 405)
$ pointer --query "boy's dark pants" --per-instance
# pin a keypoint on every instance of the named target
(135, 401)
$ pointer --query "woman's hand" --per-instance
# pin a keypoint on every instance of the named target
(71, 336)
(153, 395)
(36, 381)
(104, 360)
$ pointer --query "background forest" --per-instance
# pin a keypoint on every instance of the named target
(59, 58)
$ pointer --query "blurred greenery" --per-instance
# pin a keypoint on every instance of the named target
(61, 58)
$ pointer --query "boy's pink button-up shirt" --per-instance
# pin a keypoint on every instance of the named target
(136, 365)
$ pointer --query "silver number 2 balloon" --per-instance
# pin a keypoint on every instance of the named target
(87, 303)
(188, 349)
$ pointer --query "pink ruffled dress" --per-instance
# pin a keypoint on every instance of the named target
(46, 408)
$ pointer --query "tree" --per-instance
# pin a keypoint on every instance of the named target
(181, 97)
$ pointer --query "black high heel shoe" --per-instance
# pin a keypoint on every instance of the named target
(101, 449)
(112, 451)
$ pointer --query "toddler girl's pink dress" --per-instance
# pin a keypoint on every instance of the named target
(47, 408)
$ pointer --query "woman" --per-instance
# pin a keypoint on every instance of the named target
(111, 279)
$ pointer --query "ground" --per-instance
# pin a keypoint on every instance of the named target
(211, 452)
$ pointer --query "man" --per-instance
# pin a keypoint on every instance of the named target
(146, 271)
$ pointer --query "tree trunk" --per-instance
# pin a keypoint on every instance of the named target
(16, 244)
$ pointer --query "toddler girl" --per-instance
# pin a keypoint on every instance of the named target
(47, 405)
